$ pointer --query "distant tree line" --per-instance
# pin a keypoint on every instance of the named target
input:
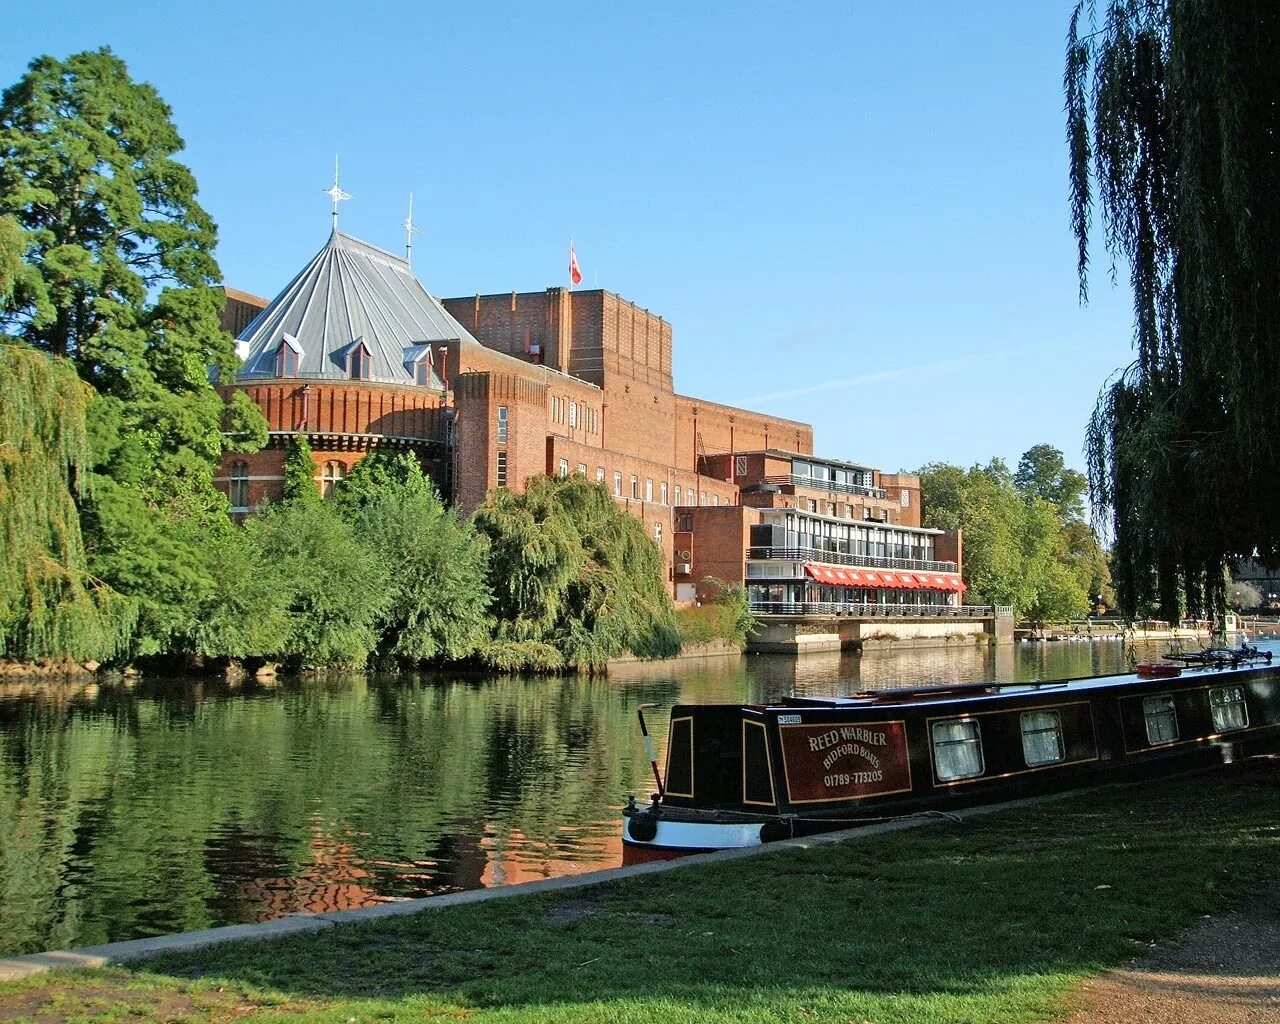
(1027, 542)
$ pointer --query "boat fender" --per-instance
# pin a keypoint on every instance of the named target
(642, 827)
(773, 830)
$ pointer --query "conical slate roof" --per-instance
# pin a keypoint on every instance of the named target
(351, 292)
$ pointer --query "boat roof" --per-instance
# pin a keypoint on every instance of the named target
(952, 693)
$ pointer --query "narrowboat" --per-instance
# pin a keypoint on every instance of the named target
(745, 774)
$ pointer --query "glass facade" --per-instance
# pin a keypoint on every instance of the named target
(787, 539)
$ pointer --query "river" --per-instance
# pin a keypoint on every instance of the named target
(143, 807)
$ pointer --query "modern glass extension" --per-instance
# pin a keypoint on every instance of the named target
(805, 563)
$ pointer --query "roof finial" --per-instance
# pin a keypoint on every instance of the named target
(410, 229)
(335, 193)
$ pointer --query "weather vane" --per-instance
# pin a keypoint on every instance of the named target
(335, 193)
(410, 229)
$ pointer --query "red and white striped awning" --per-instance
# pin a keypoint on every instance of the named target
(878, 579)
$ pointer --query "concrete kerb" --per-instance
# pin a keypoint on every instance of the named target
(88, 957)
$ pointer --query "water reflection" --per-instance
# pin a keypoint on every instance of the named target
(133, 809)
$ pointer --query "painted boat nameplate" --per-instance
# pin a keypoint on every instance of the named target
(828, 762)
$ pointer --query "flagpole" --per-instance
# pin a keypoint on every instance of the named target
(570, 263)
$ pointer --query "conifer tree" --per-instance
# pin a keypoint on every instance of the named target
(117, 275)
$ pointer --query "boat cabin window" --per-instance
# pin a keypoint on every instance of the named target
(1228, 707)
(957, 749)
(1162, 719)
(1041, 737)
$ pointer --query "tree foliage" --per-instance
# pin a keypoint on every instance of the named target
(49, 605)
(337, 588)
(1173, 112)
(1020, 548)
(116, 273)
(1042, 473)
(300, 471)
(575, 575)
(436, 604)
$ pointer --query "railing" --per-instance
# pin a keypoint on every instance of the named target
(844, 558)
(826, 485)
(872, 611)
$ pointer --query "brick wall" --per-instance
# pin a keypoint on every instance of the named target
(898, 484)
(477, 399)
(240, 310)
(949, 547)
(723, 428)
(348, 407)
(718, 545)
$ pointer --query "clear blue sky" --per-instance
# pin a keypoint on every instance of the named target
(853, 214)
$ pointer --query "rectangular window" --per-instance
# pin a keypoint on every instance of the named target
(662, 492)
(502, 424)
(657, 532)
(617, 485)
(635, 486)
(600, 474)
(686, 524)
(1041, 737)
(703, 500)
(1228, 707)
(906, 499)
(502, 469)
(573, 414)
(564, 467)
(1162, 719)
(582, 469)
(677, 494)
(648, 490)
(957, 749)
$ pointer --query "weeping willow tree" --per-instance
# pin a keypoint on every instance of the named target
(575, 580)
(49, 607)
(1173, 126)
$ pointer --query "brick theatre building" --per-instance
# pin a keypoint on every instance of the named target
(490, 390)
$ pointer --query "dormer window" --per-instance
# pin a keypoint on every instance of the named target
(418, 361)
(358, 362)
(287, 357)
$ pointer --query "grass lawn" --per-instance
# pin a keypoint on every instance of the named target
(990, 921)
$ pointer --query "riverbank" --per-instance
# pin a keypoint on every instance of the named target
(994, 918)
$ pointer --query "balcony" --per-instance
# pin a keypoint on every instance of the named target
(873, 611)
(830, 486)
(843, 558)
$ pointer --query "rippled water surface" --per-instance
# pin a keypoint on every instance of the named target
(134, 809)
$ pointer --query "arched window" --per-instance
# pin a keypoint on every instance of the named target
(359, 362)
(331, 477)
(239, 486)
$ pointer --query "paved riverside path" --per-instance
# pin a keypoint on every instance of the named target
(1226, 970)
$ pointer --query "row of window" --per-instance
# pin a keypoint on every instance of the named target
(331, 474)
(575, 414)
(645, 491)
(845, 510)
(957, 742)
(822, 472)
(796, 530)
(359, 364)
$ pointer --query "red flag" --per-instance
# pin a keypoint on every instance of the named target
(575, 275)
